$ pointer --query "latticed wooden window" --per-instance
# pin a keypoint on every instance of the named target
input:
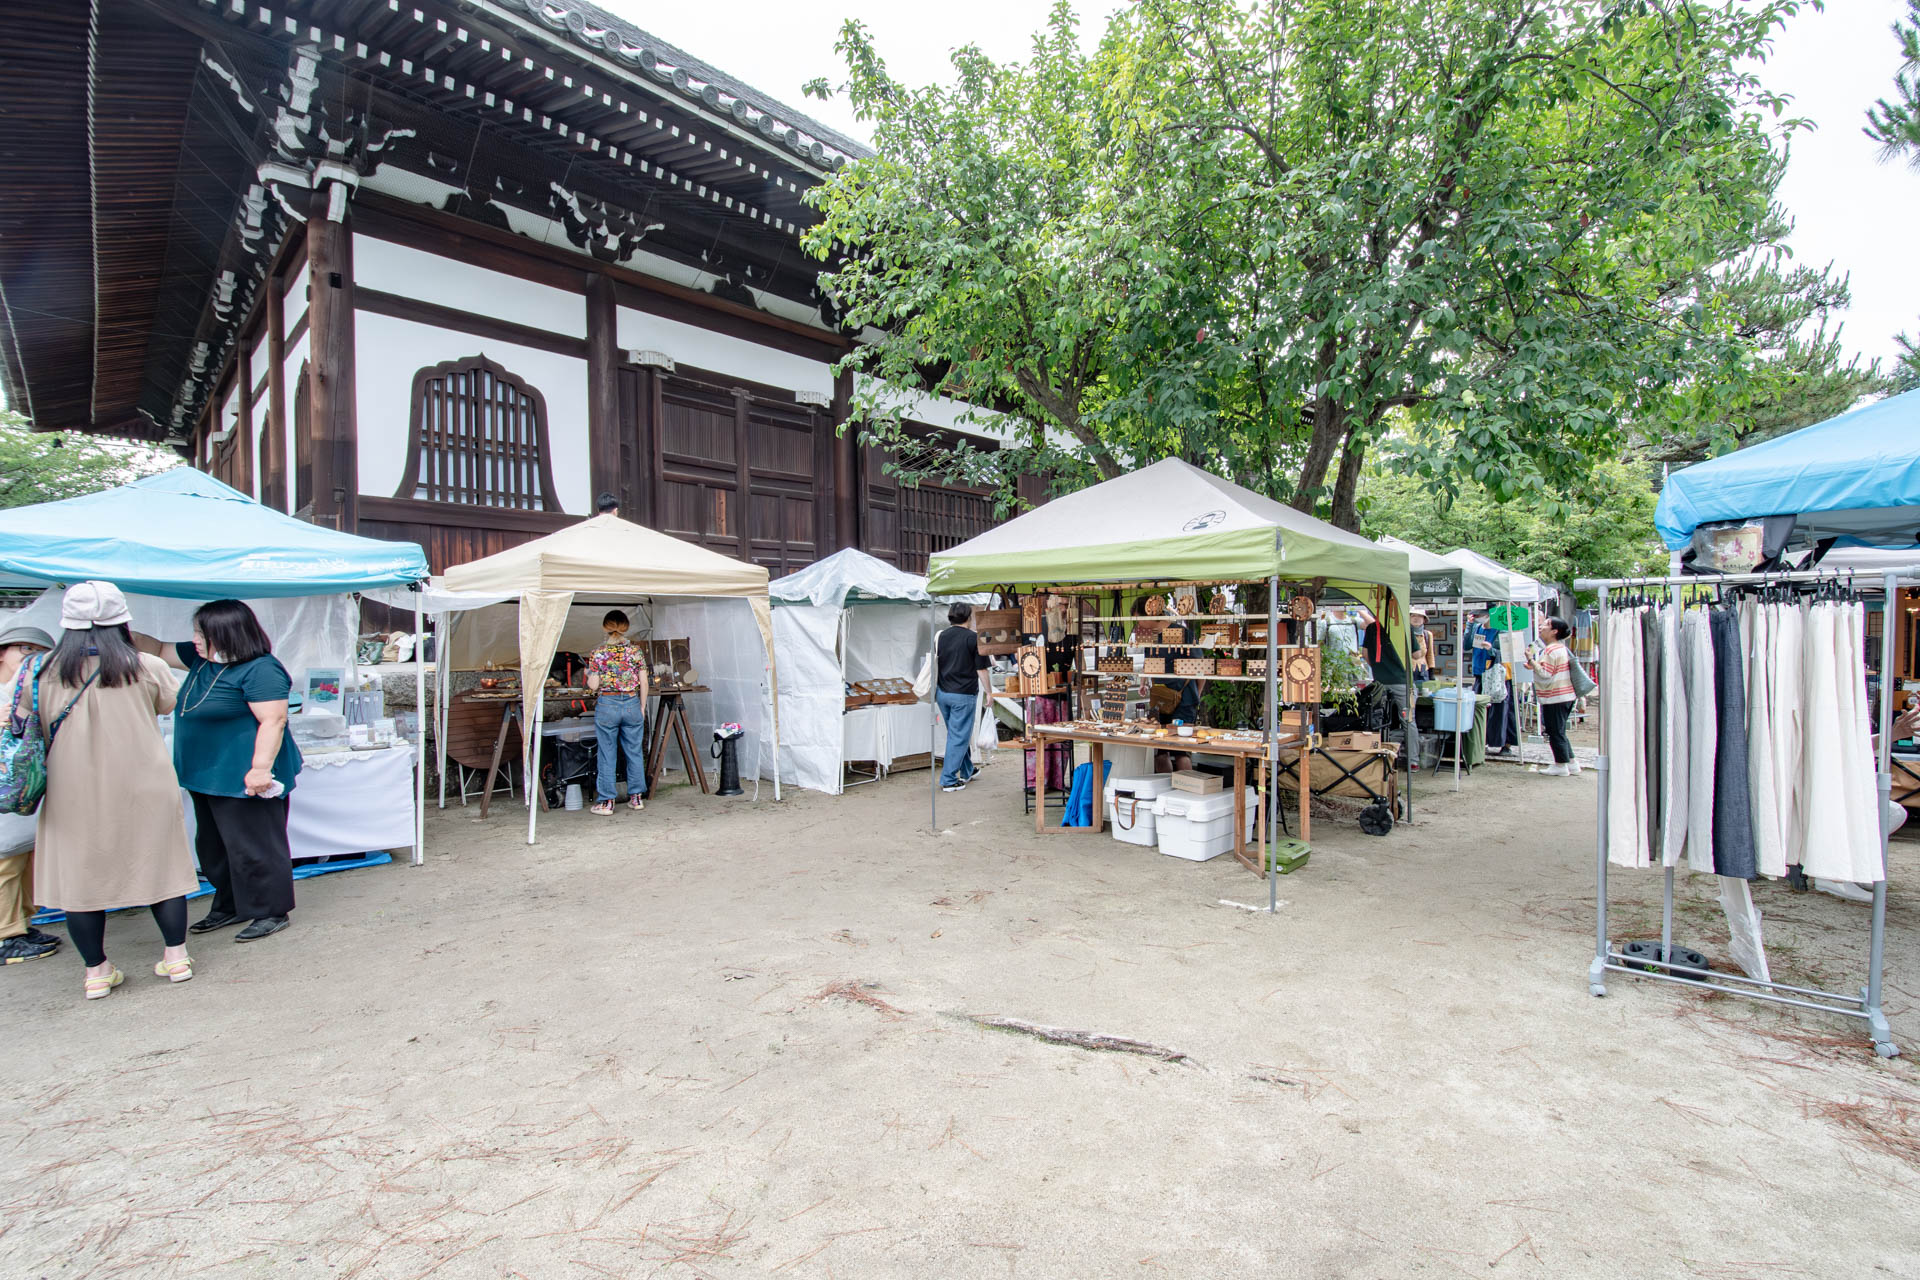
(478, 437)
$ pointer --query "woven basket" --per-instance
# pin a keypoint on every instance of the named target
(1154, 667)
(1229, 667)
(1193, 666)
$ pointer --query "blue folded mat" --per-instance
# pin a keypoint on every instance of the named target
(301, 871)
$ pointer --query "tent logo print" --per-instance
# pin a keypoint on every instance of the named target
(1206, 521)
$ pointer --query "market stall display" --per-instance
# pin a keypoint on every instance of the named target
(849, 633)
(1439, 581)
(1172, 525)
(176, 540)
(523, 602)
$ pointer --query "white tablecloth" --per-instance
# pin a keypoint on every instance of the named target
(348, 802)
(886, 733)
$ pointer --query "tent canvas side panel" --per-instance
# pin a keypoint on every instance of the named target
(731, 659)
(812, 699)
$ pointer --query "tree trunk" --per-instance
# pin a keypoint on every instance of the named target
(1329, 431)
(1346, 487)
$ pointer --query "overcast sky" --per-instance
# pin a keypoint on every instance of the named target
(1850, 209)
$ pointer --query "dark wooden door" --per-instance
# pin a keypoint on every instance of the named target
(700, 451)
(786, 496)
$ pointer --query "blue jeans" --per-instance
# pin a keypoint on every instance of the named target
(620, 724)
(957, 710)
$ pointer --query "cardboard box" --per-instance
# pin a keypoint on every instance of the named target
(1200, 784)
(1352, 741)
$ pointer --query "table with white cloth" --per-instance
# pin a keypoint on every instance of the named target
(348, 802)
(886, 733)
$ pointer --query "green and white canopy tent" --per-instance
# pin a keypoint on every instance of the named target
(1438, 580)
(1174, 523)
(1171, 522)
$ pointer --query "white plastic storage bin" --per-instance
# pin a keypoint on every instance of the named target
(1130, 810)
(1199, 827)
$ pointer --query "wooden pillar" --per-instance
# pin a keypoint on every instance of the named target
(243, 459)
(846, 470)
(603, 397)
(336, 438)
(273, 461)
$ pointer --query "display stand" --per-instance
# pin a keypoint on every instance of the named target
(1866, 1006)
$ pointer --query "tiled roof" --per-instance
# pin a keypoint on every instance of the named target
(660, 63)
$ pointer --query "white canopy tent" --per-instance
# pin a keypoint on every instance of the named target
(845, 618)
(1538, 596)
(683, 590)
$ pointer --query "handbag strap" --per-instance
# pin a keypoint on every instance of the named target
(53, 726)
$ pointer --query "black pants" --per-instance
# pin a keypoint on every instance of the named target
(88, 929)
(1556, 714)
(242, 843)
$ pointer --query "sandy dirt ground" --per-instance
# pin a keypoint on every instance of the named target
(728, 1039)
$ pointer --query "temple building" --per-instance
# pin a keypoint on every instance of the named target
(440, 272)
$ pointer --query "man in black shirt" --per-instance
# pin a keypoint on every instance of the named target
(958, 664)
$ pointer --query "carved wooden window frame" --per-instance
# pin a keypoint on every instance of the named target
(445, 488)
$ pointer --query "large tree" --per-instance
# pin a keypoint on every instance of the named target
(1894, 122)
(49, 466)
(1247, 233)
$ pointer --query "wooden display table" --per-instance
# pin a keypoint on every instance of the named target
(669, 719)
(1243, 750)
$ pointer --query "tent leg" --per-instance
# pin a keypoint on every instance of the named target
(419, 736)
(533, 765)
(933, 697)
(1273, 745)
(1459, 681)
(440, 664)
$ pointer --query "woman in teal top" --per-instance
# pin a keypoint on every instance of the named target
(237, 761)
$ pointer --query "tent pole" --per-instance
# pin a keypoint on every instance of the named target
(840, 772)
(533, 759)
(443, 628)
(933, 699)
(1413, 699)
(1877, 946)
(1273, 746)
(1459, 680)
(419, 733)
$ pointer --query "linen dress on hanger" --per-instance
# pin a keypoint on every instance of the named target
(1733, 851)
(1625, 723)
(1674, 757)
(1789, 635)
(1702, 738)
(1763, 787)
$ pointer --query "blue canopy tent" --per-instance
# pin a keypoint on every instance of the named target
(182, 536)
(1854, 478)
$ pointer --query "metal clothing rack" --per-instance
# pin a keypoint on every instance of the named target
(1867, 1005)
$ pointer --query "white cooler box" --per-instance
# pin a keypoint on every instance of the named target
(1200, 827)
(1130, 807)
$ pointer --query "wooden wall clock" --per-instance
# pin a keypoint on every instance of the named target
(1300, 675)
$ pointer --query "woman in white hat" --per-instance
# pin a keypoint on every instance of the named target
(111, 831)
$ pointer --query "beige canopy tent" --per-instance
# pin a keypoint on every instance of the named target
(605, 557)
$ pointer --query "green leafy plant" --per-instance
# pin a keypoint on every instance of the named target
(1342, 675)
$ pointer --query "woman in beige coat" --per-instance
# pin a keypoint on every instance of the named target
(111, 830)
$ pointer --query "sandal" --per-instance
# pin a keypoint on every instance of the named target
(180, 970)
(97, 988)
(603, 807)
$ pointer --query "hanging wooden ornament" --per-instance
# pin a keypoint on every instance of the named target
(1032, 613)
(1220, 604)
(1156, 606)
(1300, 608)
(1300, 673)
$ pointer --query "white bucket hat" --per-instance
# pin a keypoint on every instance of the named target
(93, 604)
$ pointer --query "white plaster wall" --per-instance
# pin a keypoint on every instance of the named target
(428, 277)
(294, 303)
(720, 353)
(296, 355)
(388, 352)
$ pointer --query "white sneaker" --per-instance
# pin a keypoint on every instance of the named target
(1555, 771)
(1573, 768)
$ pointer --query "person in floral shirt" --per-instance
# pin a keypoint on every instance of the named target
(617, 672)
